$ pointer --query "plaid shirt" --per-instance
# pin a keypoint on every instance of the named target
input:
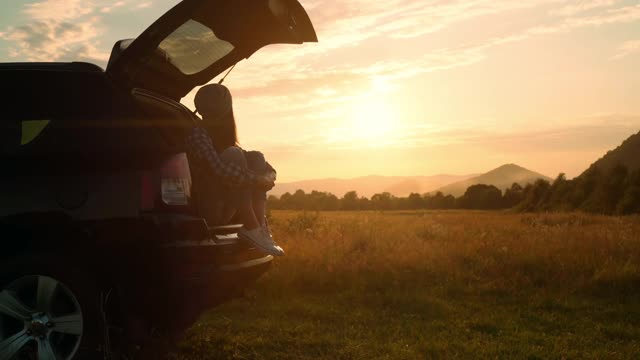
(205, 160)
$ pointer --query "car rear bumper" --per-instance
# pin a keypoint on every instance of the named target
(209, 272)
(221, 263)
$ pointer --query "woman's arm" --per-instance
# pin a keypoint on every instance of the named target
(200, 146)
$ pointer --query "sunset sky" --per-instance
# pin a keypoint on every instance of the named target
(401, 87)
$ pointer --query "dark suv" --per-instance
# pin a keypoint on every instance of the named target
(102, 247)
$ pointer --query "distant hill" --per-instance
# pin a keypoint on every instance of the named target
(627, 154)
(369, 185)
(502, 178)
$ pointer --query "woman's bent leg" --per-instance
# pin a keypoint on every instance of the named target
(257, 164)
(240, 199)
(260, 208)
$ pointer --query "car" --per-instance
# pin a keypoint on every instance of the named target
(102, 247)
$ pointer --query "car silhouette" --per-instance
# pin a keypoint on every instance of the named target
(102, 248)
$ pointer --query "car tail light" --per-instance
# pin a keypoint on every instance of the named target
(175, 181)
(168, 188)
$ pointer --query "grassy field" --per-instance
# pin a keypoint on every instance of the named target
(436, 285)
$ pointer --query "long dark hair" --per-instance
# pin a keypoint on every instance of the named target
(224, 133)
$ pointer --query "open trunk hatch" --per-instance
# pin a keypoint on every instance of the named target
(198, 39)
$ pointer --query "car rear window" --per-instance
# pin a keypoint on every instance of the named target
(193, 47)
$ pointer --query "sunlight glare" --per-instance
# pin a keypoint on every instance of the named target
(372, 121)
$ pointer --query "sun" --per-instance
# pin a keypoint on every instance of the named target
(372, 120)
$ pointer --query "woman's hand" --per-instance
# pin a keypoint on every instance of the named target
(266, 182)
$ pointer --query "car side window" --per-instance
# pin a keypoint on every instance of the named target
(31, 129)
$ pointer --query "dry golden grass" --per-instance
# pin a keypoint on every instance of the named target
(483, 250)
(437, 284)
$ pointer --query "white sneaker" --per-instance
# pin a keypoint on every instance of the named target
(261, 240)
(265, 229)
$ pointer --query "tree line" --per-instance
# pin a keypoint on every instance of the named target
(616, 191)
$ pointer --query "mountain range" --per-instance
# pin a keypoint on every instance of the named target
(502, 178)
(369, 185)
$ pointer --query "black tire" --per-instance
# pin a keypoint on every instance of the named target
(77, 280)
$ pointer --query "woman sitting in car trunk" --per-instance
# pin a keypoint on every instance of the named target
(230, 183)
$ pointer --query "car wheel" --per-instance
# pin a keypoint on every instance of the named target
(48, 311)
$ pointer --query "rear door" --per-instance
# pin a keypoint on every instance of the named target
(198, 39)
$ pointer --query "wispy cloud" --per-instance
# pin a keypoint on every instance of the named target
(113, 6)
(577, 7)
(50, 40)
(589, 132)
(60, 29)
(58, 9)
(621, 15)
(551, 150)
(358, 20)
(144, 5)
(627, 48)
(296, 77)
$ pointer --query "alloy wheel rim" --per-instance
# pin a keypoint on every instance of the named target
(39, 318)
